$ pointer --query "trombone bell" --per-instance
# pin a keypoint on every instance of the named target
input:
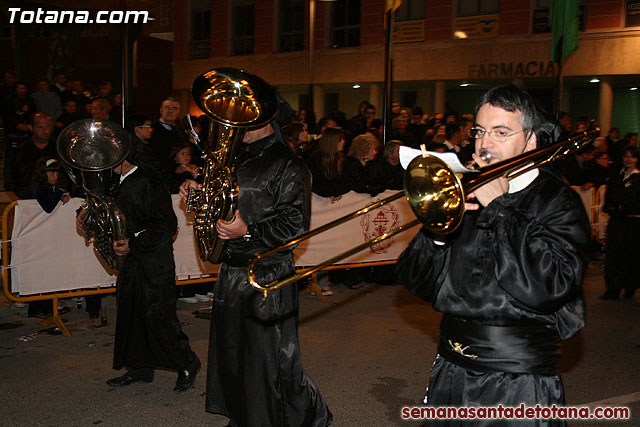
(435, 194)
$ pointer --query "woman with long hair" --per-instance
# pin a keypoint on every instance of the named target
(333, 174)
(297, 136)
(326, 165)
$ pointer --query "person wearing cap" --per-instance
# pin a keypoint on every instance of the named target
(508, 281)
(254, 374)
(46, 188)
(148, 333)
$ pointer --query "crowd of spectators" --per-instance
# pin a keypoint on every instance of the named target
(343, 154)
(352, 157)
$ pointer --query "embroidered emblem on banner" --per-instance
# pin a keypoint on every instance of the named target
(378, 222)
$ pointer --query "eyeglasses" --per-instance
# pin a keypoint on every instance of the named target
(498, 135)
(144, 126)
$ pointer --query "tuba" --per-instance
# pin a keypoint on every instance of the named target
(235, 101)
(89, 150)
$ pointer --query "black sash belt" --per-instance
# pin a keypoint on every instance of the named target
(518, 349)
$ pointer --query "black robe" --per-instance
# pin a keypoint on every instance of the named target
(148, 333)
(517, 262)
(254, 373)
(622, 252)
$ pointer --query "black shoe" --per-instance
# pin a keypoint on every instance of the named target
(186, 377)
(126, 379)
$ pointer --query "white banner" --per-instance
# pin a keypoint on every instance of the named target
(358, 230)
(49, 255)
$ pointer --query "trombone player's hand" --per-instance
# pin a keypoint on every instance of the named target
(487, 192)
(232, 229)
(185, 186)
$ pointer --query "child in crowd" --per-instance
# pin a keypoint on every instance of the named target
(48, 193)
(46, 188)
(182, 156)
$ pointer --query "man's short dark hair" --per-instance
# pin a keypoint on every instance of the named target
(390, 147)
(634, 151)
(134, 121)
(451, 129)
(534, 119)
(587, 149)
(171, 99)
(463, 121)
(39, 115)
(102, 104)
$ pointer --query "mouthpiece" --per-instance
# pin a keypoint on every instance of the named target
(484, 154)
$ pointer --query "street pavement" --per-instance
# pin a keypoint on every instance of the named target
(369, 351)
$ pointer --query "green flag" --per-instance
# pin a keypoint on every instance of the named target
(563, 20)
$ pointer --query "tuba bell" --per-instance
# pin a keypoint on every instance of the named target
(89, 150)
(235, 100)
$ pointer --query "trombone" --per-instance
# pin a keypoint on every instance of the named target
(436, 195)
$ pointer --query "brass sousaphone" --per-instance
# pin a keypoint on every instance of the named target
(235, 100)
(89, 150)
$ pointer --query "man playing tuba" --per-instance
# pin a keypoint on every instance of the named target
(148, 332)
(254, 374)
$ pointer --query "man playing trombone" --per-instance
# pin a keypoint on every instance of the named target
(508, 281)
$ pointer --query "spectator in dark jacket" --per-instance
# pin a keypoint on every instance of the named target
(20, 168)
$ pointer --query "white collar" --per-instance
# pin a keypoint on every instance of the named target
(122, 177)
(451, 146)
(626, 175)
(521, 182)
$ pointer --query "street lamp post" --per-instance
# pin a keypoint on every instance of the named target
(312, 18)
